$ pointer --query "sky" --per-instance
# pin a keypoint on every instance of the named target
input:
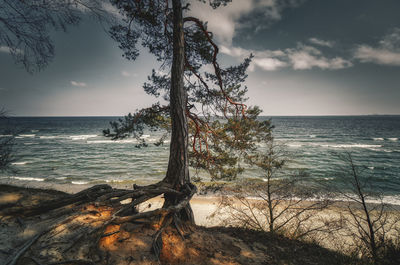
(312, 57)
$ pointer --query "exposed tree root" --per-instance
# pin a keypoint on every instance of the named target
(13, 259)
(95, 215)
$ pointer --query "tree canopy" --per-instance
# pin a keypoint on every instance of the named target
(221, 127)
(200, 104)
(26, 26)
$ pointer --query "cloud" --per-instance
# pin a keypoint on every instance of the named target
(100, 9)
(266, 60)
(221, 21)
(303, 57)
(387, 52)
(7, 49)
(269, 64)
(265, 13)
(320, 42)
(234, 51)
(224, 21)
(367, 54)
(78, 84)
(306, 57)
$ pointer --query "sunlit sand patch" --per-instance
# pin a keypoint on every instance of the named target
(109, 242)
(10, 198)
(218, 261)
(174, 250)
(247, 254)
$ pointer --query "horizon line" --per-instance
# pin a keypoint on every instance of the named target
(276, 115)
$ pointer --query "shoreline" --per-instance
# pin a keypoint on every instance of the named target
(73, 236)
(204, 203)
(209, 214)
(205, 191)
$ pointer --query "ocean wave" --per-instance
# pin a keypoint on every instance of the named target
(378, 139)
(368, 146)
(393, 139)
(5, 135)
(51, 136)
(387, 151)
(388, 199)
(79, 182)
(19, 163)
(295, 145)
(117, 180)
(144, 136)
(313, 136)
(28, 178)
(27, 135)
(82, 137)
(112, 141)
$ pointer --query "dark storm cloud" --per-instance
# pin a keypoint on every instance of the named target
(332, 57)
(311, 57)
(356, 21)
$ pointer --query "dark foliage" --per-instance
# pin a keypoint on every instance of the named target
(221, 127)
(25, 26)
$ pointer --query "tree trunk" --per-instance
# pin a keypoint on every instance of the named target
(178, 164)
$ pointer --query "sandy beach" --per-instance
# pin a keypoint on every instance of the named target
(206, 244)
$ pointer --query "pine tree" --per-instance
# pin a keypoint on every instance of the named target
(211, 127)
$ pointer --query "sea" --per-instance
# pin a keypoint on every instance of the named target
(72, 152)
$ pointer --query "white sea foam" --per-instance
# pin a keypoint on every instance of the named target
(5, 135)
(19, 163)
(372, 168)
(27, 135)
(368, 146)
(114, 180)
(393, 139)
(387, 151)
(378, 139)
(82, 137)
(28, 178)
(295, 145)
(388, 199)
(79, 182)
(144, 136)
(112, 141)
(50, 136)
(313, 136)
